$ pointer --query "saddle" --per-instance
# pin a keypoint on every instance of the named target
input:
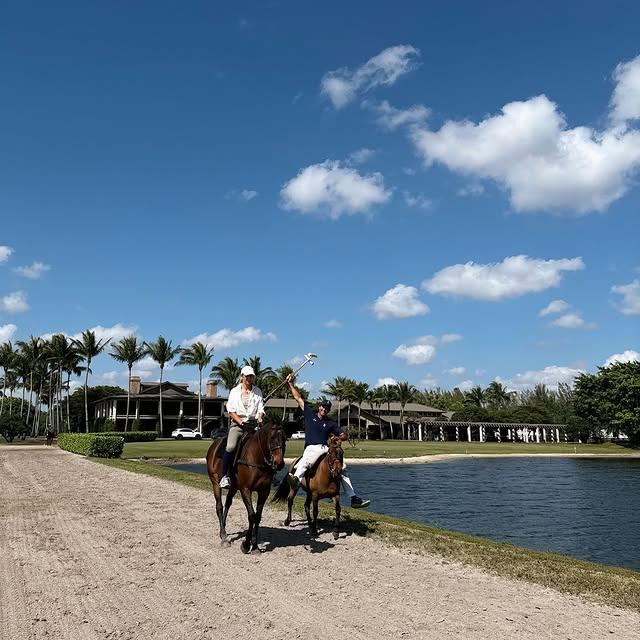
(311, 471)
(248, 430)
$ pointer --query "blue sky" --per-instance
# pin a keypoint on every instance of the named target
(249, 173)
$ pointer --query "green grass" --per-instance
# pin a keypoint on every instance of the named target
(373, 448)
(601, 583)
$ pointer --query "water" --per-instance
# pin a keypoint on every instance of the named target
(588, 508)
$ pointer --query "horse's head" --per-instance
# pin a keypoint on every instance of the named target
(276, 442)
(335, 456)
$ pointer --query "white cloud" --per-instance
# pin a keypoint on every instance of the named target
(451, 337)
(456, 371)
(5, 253)
(550, 376)
(110, 377)
(399, 302)
(529, 150)
(361, 155)
(419, 201)
(418, 353)
(15, 302)
(625, 356)
(296, 360)
(114, 333)
(228, 339)
(244, 195)
(389, 382)
(391, 118)
(572, 320)
(333, 324)
(34, 271)
(630, 304)
(555, 306)
(342, 86)
(7, 331)
(428, 382)
(625, 101)
(330, 189)
(471, 190)
(466, 385)
(511, 278)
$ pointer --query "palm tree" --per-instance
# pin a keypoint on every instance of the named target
(128, 350)
(162, 352)
(405, 393)
(281, 375)
(335, 390)
(88, 348)
(198, 355)
(264, 375)
(496, 395)
(375, 398)
(7, 359)
(71, 366)
(226, 373)
(349, 394)
(60, 352)
(475, 396)
(32, 352)
(388, 394)
(360, 391)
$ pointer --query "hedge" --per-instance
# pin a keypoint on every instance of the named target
(130, 436)
(91, 444)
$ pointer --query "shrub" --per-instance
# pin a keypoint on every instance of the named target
(131, 436)
(12, 426)
(92, 444)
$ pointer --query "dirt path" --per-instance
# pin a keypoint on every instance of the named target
(87, 551)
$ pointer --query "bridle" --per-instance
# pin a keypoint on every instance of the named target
(268, 464)
(332, 458)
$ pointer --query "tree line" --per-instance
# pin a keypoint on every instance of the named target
(607, 401)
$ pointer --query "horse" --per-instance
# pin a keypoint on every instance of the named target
(261, 456)
(324, 483)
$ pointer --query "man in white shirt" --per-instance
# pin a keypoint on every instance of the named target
(244, 403)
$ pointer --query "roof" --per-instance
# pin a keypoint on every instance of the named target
(410, 407)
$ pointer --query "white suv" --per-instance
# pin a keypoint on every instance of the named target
(184, 432)
(298, 435)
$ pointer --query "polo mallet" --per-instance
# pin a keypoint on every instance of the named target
(308, 359)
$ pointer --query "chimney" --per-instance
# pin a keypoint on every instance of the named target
(134, 385)
(212, 389)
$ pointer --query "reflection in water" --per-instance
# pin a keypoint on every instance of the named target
(585, 508)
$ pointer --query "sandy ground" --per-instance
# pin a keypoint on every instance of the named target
(87, 551)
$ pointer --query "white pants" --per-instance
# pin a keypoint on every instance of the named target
(309, 457)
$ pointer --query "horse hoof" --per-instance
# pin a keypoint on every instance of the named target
(336, 535)
(256, 552)
(287, 522)
(245, 548)
(225, 543)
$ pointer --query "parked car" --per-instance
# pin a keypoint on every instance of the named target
(184, 432)
(298, 435)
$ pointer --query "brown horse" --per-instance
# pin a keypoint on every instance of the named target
(261, 456)
(323, 483)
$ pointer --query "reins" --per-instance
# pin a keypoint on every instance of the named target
(268, 464)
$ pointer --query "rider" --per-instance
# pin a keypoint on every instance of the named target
(317, 428)
(244, 403)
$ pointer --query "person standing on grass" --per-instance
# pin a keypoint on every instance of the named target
(244, 405)
(317, 429)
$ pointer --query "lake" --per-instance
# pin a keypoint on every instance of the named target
(588, 508)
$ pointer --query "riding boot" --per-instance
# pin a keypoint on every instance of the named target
(227, 459)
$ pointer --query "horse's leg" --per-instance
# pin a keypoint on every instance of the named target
(217, 492)
(223, 522)
(245, 547)
(314, 532)
(262, 498)
(290, 497)
(307, 504)
(336, 529)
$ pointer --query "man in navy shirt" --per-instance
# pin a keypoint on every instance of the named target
(317, 429)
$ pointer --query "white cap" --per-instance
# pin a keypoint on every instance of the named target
(247, 371)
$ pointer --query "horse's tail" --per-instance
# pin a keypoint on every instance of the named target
(282, 492)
